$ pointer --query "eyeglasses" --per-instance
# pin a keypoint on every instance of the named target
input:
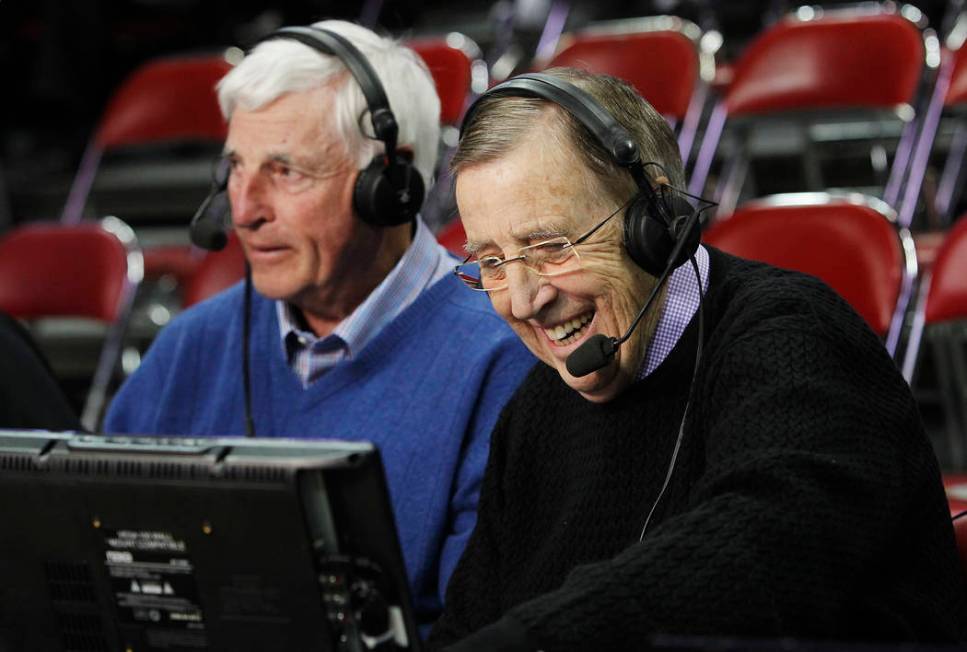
(552, 257)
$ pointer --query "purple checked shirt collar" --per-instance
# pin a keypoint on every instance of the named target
(681, 302)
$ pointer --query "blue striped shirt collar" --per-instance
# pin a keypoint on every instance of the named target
(424, 262)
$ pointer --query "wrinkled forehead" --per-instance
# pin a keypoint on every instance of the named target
(530, 194)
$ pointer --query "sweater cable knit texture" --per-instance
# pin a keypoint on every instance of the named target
(806, 500)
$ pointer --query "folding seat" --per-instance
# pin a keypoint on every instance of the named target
(960, 532)
(824, 73)
(170, 100)
(941, 318)
(948, 103)
(161, 129)
(217, 271)
(665, 58)
(956, 487)
(848, 240)
(88, 270)
(460, 74)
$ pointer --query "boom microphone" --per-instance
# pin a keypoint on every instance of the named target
(592, 355)
(599, 349)
(207, 227)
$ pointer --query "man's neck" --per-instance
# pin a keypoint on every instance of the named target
(322, 314)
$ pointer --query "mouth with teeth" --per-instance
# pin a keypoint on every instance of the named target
(569, 331)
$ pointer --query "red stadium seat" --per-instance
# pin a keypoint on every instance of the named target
(848, 240)
(949, 97)
(960, 531)
(956, 487)
(458, 70)
(85, 270)
(217, 271)
(832, 63)
(942, 308)
(453, 237)
(660, 56)
(460, 74)
(168, 99)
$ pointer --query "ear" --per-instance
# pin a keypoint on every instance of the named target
(662, 181)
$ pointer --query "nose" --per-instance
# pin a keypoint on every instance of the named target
(249, 199)
(529, 293)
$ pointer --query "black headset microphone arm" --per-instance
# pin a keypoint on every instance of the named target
(205, 230)
(598, 350)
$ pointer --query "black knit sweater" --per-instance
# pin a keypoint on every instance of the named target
(806, 500)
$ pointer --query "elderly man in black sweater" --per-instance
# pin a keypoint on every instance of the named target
(746, 462)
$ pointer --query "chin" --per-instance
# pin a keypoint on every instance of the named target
(269, 287)
(597, 387)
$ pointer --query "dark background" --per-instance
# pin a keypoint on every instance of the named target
(61, 59)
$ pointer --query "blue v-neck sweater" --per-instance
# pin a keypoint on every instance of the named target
(426, 390)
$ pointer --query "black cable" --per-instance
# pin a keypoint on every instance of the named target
(960, 515)
(246, 375)
(681, 427)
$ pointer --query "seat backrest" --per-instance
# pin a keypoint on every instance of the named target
(844, 60)
(166, 99)
(459, 74)
(943, 293)
(960, 532)
(659, 56)
(848, 241)
(216, 271)
(833, 61)
(89, 270)
(947, 296)
(956, 487)
(52, 270)
(453, 237)
(171, 99)
(458, 70)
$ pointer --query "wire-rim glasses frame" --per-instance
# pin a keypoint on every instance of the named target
(536, 257)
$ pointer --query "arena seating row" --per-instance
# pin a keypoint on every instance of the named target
(878, 74)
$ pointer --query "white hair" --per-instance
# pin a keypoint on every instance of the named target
(279, 66)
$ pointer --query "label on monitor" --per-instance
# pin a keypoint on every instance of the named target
(153, 581)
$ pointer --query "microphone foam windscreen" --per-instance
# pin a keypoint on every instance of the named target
(590, 356)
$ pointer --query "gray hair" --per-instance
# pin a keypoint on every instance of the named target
(279, 66)
(501, 123)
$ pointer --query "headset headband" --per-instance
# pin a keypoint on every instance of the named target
(586, 110)
(384, 122)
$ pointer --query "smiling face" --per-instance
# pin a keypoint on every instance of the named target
(290, 188)
(535, 192)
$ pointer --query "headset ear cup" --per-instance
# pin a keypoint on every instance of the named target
(647, 240)
(681, 210)
(650, 241)
(388, 195)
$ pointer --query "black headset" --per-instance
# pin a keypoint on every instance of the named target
(654, 222)
(388, 192)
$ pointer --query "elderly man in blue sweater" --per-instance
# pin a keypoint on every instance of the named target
(356, 328)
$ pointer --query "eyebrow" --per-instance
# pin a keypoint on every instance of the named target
(280, 157)
(552, 231)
